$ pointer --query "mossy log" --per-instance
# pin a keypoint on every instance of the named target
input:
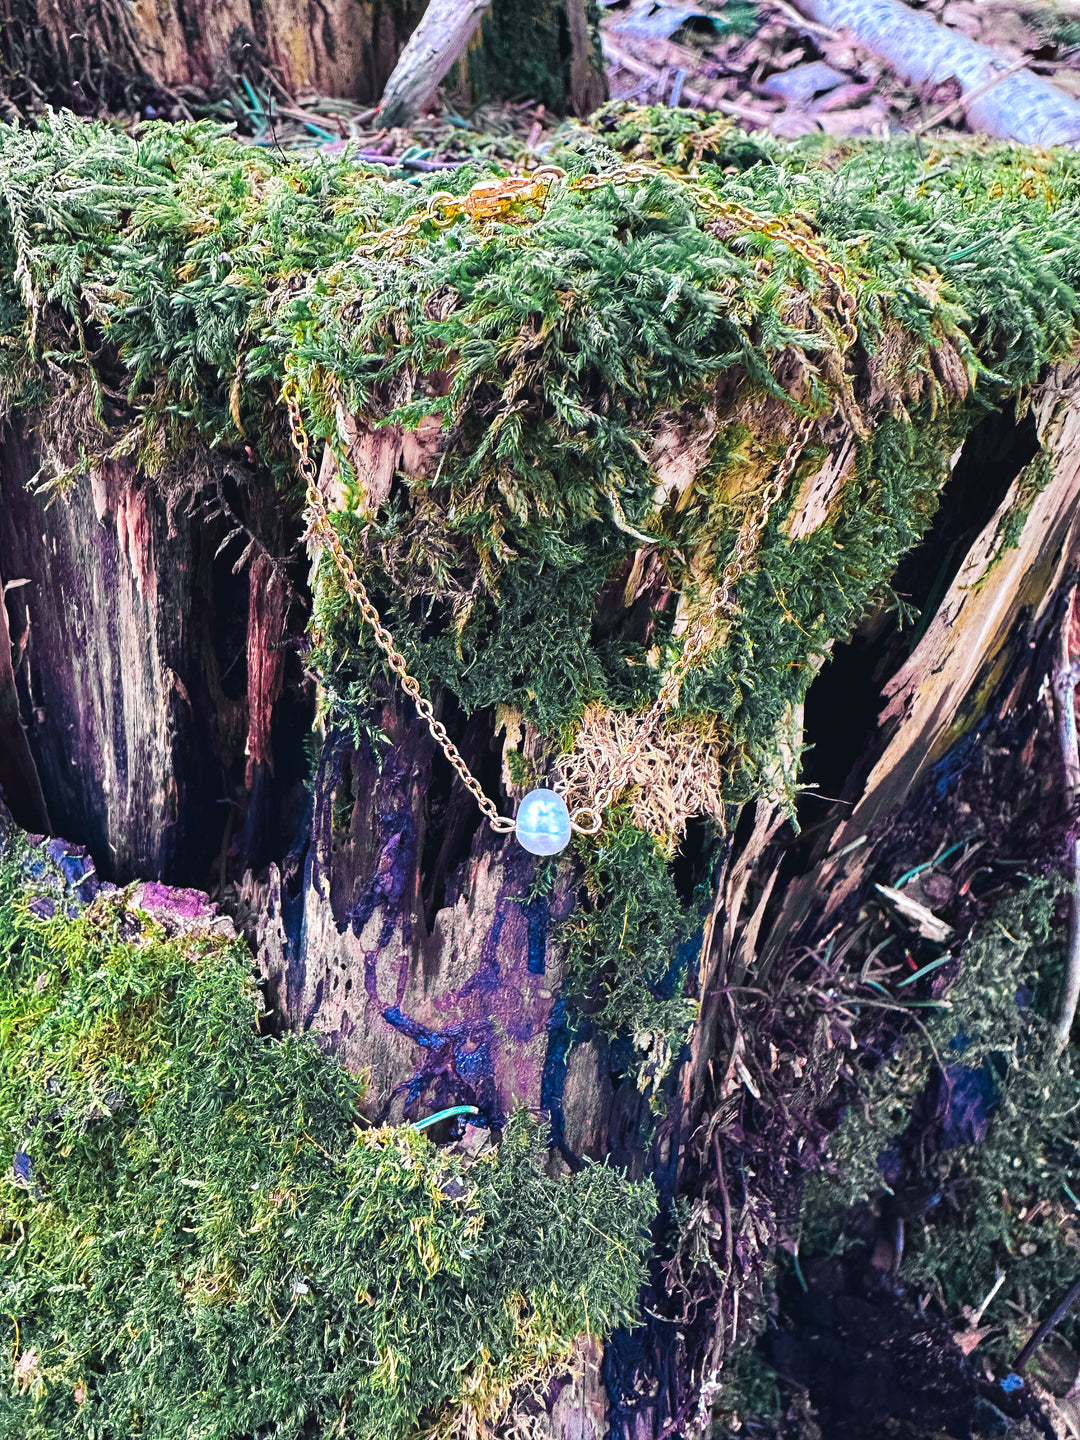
(541, 425)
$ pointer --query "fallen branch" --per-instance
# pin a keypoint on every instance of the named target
(800, 22)
(964, 102)
(405, 162)
(1020, 106)
(434, 45)
(1054, 1318)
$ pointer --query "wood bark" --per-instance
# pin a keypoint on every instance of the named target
(437, 43)
(91, 54)
(396, 927)
(161, 54)
(975, 654)
(126, 733)
(20, 784)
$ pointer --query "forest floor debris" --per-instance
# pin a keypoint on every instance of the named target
(771, 68)
(757, 61)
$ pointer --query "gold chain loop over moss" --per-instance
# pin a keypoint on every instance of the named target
(323, 527)
(499, 199)
(492, 200)
(699, 633)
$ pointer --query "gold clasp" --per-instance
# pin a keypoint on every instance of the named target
(586, 821)
(492, 199)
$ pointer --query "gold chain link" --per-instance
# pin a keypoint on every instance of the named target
(322, 526)
(492, 200)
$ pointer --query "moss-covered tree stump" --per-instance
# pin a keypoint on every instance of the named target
(543, 413)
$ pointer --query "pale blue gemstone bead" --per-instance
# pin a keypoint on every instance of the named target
(543, 823)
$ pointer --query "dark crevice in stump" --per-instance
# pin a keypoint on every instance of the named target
(20, 784)
(452, 814)
(124, 723)
(843, 704)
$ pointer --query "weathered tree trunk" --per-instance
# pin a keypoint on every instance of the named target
(116, 56)
(983, 655)
(130, 637)
(104, 56)
(975, 654)
(435, 45)
(108, 671)
(448, 26)
(398, 928)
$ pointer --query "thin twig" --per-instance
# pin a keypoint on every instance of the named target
(800, 22)
(978, 1314)
(963, 101)
(1056, 1315)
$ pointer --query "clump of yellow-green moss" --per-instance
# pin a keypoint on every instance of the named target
(199, 1237)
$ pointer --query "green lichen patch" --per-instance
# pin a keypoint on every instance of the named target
(197, 1238)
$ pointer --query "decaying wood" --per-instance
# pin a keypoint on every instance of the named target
(20, 785)
(588, 84)
(1000, 100)
(267, 607)
(436, 44)
(339, 47)
(982, 631)
(704, 100)
(449, 28)
(376, 452)
(112, 685)
(432, 999)
(818, 493)
(1066, 678)
(401, 931)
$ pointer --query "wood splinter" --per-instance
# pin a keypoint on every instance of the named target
(1066, 677)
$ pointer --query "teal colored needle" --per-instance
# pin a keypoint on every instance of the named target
(445, 1115)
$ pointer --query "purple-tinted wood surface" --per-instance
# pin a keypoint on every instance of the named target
(448, 1007)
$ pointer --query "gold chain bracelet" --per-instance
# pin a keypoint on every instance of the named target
(543, 824)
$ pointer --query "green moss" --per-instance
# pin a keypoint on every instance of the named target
(751, 1391)
(1006, 1203)
(207, 266)
(206, 1244)
(552, 344)
(623, 964)
(1033, 481)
